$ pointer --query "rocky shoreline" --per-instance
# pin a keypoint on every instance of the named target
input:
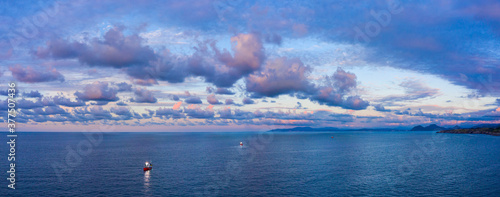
(487, 131)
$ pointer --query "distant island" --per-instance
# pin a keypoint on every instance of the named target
(488, 129)
(432, 127)
(479, 129)
(325, 129)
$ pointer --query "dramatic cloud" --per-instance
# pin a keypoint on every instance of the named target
(288, 76)
(280, 76)
(335, 88)
(248, 53)
(35, 75)
(116, 50)
(98, 91)
(260, 50)
(223, 68)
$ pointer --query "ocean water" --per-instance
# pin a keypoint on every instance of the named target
(268, 164)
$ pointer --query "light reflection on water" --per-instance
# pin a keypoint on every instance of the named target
(147, 176)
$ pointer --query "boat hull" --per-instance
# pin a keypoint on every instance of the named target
(146, 169)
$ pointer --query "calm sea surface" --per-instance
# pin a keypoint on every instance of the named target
(282, 164)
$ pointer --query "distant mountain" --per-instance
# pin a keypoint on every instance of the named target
(487, 129)
(432, 127)
(486, 126)
(304, 129)
(418, 128)
(324, 129)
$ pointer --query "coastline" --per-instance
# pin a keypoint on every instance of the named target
(486, 131)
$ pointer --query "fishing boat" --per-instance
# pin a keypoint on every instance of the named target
(148, 166)
(241, 143)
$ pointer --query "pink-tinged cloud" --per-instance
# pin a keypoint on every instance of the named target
(35, 75)
(213, 100)
(280, 76)
(229, 102)
(98, 91)
(177, 105)
(248, 53)
(143, 95)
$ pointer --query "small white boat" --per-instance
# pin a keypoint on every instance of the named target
(241, 143)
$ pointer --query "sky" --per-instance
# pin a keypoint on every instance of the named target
(239, 65)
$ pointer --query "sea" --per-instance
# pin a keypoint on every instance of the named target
(337, 163)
